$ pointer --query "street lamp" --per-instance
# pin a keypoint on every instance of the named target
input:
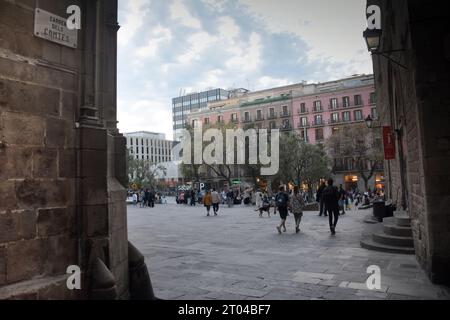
(373, 41)
(372, 37)
(369, 122)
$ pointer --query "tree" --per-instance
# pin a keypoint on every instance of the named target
(143, 173)
(360, 144)
(301, 162)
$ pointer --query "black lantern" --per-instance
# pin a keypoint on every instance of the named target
(369, 122)
(373, 39)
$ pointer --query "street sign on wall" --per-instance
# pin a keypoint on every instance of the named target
(53, 28)
(388, 143)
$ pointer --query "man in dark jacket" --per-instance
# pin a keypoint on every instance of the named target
(330, 198)
(319, 199)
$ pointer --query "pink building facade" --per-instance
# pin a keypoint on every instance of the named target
(313, 111)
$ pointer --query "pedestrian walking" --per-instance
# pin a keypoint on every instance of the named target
(297, 205)
(230, 198)
(342, 196)
(282, 203)
(215, 201)
(207, 202)
(135, 198)
(319, 199)
(330, 197)
(192, 197)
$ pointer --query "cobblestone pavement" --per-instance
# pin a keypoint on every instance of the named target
(237, 255)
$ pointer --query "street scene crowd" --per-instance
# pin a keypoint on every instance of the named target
(332, 201)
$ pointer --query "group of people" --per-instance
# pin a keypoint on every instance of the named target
(330, 200)
(212, 199)
(146, 198)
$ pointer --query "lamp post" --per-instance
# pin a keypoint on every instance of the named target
(373, 41)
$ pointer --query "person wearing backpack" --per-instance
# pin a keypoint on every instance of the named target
(330, 198)
(282, 204)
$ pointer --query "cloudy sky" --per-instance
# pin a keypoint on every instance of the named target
(171, 46)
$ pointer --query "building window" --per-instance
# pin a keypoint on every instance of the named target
(318, 105)
(258, 114)
(304, 135)
(318, 120)
(304, 121)
(345, 102)
(220, 119)
(247, 116)
(334, 130)
(234, 117)
(358, 100)
(303, 108)
(346, 116)
(334, 117)
(286, 124)
(285, 111)
(358, 115)
(372, 98)
(319, 134)
(206, 120)
(374, 113)
(273, 125)
(333, 103)
(272, 113)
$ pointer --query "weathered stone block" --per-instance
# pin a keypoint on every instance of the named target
(93, 138)
(52, 222)
(93, 163)
(32, 193)
(67, 163)
(2, 265)
(93, 191)
(16, 225)
(56, 132)
(26, 259)
(15, 163)
(7, 38)
(23, 129)
(8, 198)
(97, 220)
(45, 163)
(11, 14)
(69, 105)
(62, 252)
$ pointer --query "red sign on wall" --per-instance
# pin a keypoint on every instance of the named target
(388, 143)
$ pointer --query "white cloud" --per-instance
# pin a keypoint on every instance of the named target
(178, 11)
(246, 57)
(145, 115)
(215, 5)
(159, 36)
(228, 28)
(266, 82)
(211, 78)
(331, 29)
(198, 42)
(133, 21)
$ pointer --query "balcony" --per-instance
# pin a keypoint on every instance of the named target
(272, 115)
(334, 121)
(317, 109)
(286, 127)
(303, 125)
(305, 111)
(317, 123)
(285, 114)
(246, 120)
(331, 107)
(260, 118)
(233, 121)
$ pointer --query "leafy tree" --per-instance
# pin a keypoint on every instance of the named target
(301, 162)
(143, 173)
(362, 145)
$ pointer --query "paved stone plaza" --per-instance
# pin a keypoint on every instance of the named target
(237, 255)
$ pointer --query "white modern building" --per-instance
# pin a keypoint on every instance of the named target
(150, 146)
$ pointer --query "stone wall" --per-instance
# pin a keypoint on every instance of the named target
(61, 202)
(415, 101)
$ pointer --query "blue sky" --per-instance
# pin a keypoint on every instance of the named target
(170, 46)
